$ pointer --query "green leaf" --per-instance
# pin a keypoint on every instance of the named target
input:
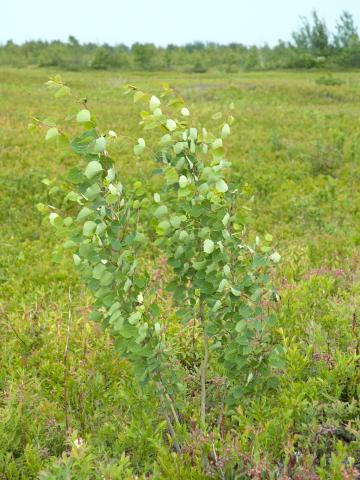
(84, 213)
(138, 96)
(92, 169)
(171, 176)
(127, 285)
(139, 147)
(217, 116)
(225, 132)
(179, 147)
(106, 279)
(226, 219)
(52, 133)
(183, 236)
(221, 186)
(208, 246)
(77, 259)
(55, 219)
(176, 221)
(235, 292)
(62, 92)
(239, 327)
(73, 197)
(100, 144)
(134, 318)
(275, 257)
(81, 143)
(98, 271)
(217, 144)
(245, 311)
(165, 140)
(154, 103)
(222, 285)
(161, 211)
(89, 228)
(163, 227)
(83, 116)
(93, 191)
(170, 124)
(193, 133)
(75, 176)
(183, 181)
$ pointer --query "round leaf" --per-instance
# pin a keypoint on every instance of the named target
(52, 133)
(183, 181)
(209, 246)
(83, 116)
(221, 186)
(100, 144)
(154, 103)
(92, 169)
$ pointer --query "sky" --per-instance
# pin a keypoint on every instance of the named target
(163, 21)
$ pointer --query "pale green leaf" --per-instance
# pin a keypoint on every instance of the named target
(83, 116)
(139, 147)
(154, 103)
(93, 168)
(225, 132)
(183, 181)
(89, 228)
(275, 257)
(170, 124)
(52, 133)
(100, 144)
(84, 213)
(161, 211)
(208, 246)
(221, 186)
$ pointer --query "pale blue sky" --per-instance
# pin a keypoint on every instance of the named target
(163, 21)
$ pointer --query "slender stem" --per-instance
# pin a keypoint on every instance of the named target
(16, 333)
(65, 362)
(170, 401)
(221, 414)
(172, 408)
(204, 367)
(167, 418)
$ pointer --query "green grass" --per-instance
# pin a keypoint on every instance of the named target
(297, 146)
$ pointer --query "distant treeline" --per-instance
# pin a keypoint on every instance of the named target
(313, 45)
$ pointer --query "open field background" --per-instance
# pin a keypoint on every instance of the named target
(296, 143)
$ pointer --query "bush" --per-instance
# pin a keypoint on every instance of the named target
(217, 283)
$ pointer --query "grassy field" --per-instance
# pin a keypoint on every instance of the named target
(297, 146)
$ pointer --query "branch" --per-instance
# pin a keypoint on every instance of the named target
(204, 367)
(65, 362)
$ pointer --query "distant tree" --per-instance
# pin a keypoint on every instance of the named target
(73, 41)
(101, 59)
(346, 31)
(144, 54)
(313, 35)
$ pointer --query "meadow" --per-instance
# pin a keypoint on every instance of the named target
(296, 147)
